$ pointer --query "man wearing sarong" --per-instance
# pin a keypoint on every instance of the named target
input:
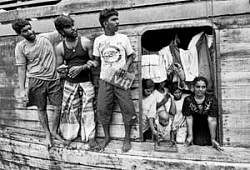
(77, 107)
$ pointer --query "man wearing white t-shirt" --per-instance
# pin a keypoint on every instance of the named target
(113, 50)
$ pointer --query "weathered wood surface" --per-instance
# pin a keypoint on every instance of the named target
(7, 1)
(22, 148)
(141, 15)
(28, 119)
(235, 83)
(20, 4)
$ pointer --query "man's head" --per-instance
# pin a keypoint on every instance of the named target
(23, 27)
(65, 26)
(108, 19)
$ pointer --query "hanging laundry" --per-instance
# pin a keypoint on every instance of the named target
(173, 64)
(190, 64)
(153, 68)
(199, 46)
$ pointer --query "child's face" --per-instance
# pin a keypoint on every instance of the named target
(148, 91)
(164, 121)
(177, 94)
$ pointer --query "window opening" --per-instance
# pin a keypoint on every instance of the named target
(152, 41)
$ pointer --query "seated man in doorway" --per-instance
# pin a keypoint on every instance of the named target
(114, 51)
(35, 58)
(78, 93)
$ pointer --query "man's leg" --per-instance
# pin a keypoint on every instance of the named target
(88, 124)
(55, 124)
(128, 113)
(127, 144)
(104, 110)
(106, 139)
(44, 122)
(37, 97)
(55, 98)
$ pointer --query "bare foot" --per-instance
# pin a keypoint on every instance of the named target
(103, 144)
(126, 146)
(66, 143)
(92, 144)
(58, 137)
(48, 141)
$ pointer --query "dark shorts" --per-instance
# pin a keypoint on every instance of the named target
(107, 94)
(43, 92)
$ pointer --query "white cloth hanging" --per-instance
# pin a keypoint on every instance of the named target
(153, 68)
(189, 63)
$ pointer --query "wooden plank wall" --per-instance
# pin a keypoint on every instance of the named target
(235, 83)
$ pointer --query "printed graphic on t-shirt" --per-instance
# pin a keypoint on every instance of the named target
(111, 53)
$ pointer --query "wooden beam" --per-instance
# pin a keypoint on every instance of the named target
(7, 1)
(19, 4)
(143, 15)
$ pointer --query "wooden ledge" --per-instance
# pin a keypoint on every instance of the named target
(29, 150)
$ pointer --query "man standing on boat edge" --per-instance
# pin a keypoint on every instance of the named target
(78, 93)
(35, 58)
(114, 51)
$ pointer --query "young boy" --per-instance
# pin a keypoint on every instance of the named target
(148, 106)
(179, 123)
(156, 121)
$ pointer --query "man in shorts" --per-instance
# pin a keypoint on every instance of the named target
(115, 53)
(36, 59)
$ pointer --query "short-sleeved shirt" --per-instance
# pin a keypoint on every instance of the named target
(38, 56)
(113, 51)
(200, 113)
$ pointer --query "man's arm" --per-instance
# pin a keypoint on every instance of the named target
(54, 37)
(129, 61)
(22, 68)
(22, 77)
(59, 54)
(96, 54)
(172, 109)
(151, 125)
(92, 62)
